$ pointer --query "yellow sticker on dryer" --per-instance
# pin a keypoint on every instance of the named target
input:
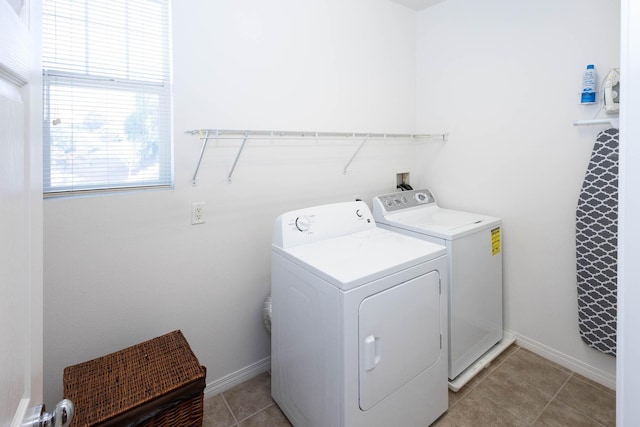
(495, 241)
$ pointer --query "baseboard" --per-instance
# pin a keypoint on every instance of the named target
(237, 377)
(595, 374)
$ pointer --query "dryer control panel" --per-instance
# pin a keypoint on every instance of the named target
(320, 223)
(403, 199)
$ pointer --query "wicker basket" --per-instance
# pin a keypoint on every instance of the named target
(155, 383)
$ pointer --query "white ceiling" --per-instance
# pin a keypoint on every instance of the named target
(417, 4)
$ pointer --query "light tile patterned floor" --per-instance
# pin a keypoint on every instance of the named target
(245, 405)
(519, 388)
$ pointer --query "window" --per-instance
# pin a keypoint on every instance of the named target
(107, 95)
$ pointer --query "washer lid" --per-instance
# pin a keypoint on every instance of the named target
(435, 221)
(355, 259)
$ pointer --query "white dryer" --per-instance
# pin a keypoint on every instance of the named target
(475, 274)
(358, 321)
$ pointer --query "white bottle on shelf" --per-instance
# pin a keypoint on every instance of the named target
(588, 94)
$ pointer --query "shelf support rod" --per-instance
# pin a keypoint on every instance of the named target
(205, 139)
(354, 155)
(235, 162)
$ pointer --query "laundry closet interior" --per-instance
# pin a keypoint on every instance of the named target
(304, 104)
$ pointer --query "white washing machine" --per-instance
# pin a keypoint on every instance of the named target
(358, 321)
(475, 274)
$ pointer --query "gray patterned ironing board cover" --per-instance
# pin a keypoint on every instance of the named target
(597, 245)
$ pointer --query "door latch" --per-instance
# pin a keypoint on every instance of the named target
(60, 417)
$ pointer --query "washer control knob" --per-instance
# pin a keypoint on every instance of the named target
(358, 213)
(303, 223)
(389, 203)
(422, 198)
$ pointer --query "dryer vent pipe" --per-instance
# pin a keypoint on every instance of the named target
(266, 313)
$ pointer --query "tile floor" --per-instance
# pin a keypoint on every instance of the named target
(519, 388)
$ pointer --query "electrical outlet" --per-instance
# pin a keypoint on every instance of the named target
(197, 213)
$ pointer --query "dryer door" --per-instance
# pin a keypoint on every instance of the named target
(399, 333)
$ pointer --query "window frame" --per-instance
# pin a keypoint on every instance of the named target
(58, 77)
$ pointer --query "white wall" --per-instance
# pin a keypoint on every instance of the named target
(124, 268)
(503, 77)
(628, 384)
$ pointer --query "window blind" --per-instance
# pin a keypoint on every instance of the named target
(107, 95)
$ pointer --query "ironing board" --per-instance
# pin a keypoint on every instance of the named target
(597, 245)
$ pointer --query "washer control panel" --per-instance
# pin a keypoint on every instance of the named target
(405, 199)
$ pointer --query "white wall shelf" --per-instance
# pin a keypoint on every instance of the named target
(612, 121)
(208, 134)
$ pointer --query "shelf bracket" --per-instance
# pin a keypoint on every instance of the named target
(235, 162)
(344, 172)
(205, 139)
